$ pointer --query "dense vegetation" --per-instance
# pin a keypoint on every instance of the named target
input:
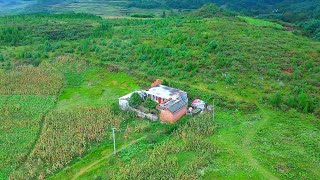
(59, 84)
(304, 13)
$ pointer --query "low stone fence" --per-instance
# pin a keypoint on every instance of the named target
(143, 115)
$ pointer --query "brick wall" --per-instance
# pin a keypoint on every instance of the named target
(167, 116)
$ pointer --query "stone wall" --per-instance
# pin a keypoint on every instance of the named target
(144, 115)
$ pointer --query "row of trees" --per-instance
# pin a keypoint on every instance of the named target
(176, 4)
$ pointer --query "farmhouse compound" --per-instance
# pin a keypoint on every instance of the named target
(172, 103)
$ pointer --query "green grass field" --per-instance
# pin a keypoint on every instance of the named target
(258, 22)
(61, 76)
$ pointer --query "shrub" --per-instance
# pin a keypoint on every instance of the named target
(305, 103)
(228, 79)
(276, 100)
(189, 67)
(142, 15)
(150, 104)
(210, 10)
(212, 46)
(135, 100)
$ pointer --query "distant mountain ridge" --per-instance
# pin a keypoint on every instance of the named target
(305, 13)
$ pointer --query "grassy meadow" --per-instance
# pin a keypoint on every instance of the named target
(61, 76)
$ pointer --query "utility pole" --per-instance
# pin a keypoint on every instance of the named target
(213, 109)
(114, 141)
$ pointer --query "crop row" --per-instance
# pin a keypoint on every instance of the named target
(162, 161)
(20, 116)
(65, 136)
(30, 80)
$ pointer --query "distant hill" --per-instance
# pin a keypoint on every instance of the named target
(305, 13)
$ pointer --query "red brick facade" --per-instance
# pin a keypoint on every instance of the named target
(156, 83)
(167, 116)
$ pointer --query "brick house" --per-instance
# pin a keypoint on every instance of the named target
(172, 103)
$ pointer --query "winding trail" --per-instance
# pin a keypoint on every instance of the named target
(246, 143)
(88, 167)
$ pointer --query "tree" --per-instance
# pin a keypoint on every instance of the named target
(135, 100)
(1, 58)
(163, 14)
(150, 104)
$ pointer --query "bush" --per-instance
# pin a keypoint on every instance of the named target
(209, 11)
(150, 104)
(142, 15)
(135, 100)
(302, 102)
(276, 100)
(189, 67)
(212, 46)
(228, 79)
(305, 103)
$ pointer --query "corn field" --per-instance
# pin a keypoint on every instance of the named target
(30, 80)
(65, 135)
(20, 116)
(162, 163)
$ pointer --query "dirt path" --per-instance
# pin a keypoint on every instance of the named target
(93, 164)
(244, 146)
(246, 143)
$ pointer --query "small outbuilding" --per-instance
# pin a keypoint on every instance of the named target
(172, 110)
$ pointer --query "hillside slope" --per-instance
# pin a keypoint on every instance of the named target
(61, 75)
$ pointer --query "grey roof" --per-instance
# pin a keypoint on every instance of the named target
(175, 106)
